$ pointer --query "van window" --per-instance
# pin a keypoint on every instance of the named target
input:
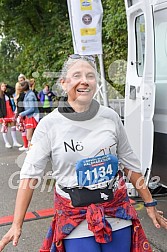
(160, 19)
(140, 44)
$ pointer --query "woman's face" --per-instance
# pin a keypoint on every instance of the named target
(18, 88)
(3, 87)
(21, 79)
(80, 82)
(46, 88)
(32, 83)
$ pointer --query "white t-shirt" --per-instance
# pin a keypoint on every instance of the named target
(65, 141)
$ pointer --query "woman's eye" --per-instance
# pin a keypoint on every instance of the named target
(91, 76)
(77, 75)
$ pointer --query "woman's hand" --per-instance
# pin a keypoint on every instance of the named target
(23, 199)
(138, 182)
(12, 235)
(157, 217)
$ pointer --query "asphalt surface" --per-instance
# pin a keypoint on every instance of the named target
(34, 231)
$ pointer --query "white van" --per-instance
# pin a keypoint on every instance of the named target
(146, 85)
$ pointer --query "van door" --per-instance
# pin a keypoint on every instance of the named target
(160, 116)
(140, 87)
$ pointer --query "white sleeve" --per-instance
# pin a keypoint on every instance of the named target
(38, 155)
(125, 153)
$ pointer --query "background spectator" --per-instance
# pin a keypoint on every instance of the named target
(46, 96)
(7, 115)
(18, 99)
(31, 112)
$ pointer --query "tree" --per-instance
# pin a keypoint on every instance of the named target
(114, 39)
(37, 37)
(42, 36)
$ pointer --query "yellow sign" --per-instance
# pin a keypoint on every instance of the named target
(88, 31)
(83, 48)
(86, 5)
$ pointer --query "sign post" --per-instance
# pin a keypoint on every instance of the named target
(86, 26)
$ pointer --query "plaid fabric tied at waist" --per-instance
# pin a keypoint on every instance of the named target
(67, 218)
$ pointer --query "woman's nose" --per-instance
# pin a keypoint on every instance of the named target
(84, 79)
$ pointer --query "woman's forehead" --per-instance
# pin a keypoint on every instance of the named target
(80, 65)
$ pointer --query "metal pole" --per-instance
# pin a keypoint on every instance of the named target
(104, 88)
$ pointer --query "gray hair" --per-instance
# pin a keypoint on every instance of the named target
(71, 61)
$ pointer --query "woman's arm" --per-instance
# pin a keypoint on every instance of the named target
(138, 182)
(23, 199)
(128, 159)
(2, 107)
(30, 105)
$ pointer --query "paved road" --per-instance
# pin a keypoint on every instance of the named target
(34, 231)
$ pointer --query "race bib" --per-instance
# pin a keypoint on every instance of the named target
(96, 172)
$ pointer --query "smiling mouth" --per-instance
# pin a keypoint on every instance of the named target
(81, 90)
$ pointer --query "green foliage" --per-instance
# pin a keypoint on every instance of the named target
(36, 38)
(41, 38)
(114, 37)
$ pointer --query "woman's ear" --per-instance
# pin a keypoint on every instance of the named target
(63, 84)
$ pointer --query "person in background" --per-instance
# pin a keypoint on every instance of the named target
(46, 96)
(32, 87)
(7, 115)
(21, 78)
(31, 112)
(85, 142)
(12, 102)
(18, 99)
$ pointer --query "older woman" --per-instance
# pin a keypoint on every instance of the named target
(85, 141)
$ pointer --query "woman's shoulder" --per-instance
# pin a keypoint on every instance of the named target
(31, 94)
(108, 112)
(2, 97)
(51, 118)
(52, 93)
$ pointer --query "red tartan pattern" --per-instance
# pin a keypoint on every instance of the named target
(67, 217)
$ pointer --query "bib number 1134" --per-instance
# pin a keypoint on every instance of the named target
(92, 171)
(98, 172)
